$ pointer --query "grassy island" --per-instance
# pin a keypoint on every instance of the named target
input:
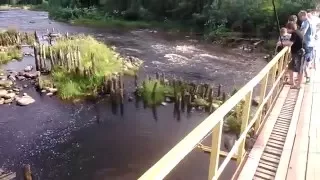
(81, 65)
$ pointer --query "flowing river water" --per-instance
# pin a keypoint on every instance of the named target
(64, 141)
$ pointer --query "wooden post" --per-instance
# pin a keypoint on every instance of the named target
(36, 57)
(35, 37)
(263, 89)
(244, 123)
(219, 90)
(44, 57)
(60, 57)
(93, 63)
(40, 58)
(273, 78)
(153, 95)
(79, 58)
(51, 58)
(215, 149)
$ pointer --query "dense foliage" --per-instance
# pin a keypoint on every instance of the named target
(216, 16)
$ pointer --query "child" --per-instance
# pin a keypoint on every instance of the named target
(284, 36)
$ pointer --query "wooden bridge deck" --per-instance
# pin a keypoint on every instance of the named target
(299, 152)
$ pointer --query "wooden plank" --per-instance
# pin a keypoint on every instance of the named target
(215, 149)
(288, 146)
(298, 160)
(313, 162)
(280, 130)
(257, 150)
(265, 171)
(282, 126)
(274, 151)
(278, 138)
(8, 176)
(270, 159)
(263, 162)
(265, 176)
(277, 146)
(279, 133)
(270, 168)
(258, 178)
(269, 155)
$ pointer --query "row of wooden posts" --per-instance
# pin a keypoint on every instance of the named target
(185, 93)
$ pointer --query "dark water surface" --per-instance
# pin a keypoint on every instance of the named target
(64, 141)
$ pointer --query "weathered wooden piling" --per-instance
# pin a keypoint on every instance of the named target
(219, 90)
(136, 80)
(51, 58)
(153, 95)
(36, 58)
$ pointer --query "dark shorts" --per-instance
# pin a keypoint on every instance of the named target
(296, 64)
(309, 54)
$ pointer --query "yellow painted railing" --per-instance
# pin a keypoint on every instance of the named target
(271, 75)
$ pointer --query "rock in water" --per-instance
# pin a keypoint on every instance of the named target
(255, 101)
(24, 100)
(1, 101)
(10, 95)
(8, 101)
(229, 141)
(3, 93)
(28, 69)
(21, 78)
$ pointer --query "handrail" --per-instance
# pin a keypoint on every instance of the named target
(214, 123)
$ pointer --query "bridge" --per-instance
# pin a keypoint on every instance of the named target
(286, 125)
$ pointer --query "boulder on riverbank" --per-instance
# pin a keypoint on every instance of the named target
(24, 100)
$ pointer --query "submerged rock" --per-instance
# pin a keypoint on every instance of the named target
(28, 69)
(31, 75)
(163, 103)
(24, 100)
(21, 78)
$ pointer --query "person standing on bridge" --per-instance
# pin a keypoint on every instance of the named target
(297, 52)
(308, 33)
(315, 22)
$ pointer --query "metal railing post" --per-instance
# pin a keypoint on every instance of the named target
(244, 124)
(263, 89)
(215, 149)
(273, 78)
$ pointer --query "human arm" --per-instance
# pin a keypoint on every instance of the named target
(304, 27)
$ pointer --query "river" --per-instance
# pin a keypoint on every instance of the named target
(64, 141)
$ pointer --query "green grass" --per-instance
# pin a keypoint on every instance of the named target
(106, 62)
(9, 54)
(156, 97)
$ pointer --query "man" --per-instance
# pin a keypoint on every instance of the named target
(308, 33)
(315, 21)
(295, 64)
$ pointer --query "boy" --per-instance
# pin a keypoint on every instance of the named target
(284, 36)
